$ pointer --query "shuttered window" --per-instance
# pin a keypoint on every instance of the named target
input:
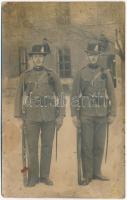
(63, 14)
(64, 63)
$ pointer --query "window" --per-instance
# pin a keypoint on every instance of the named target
(64, 63)
(63, 14)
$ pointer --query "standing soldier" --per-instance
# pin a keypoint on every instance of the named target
(92, 93)
(35, 107)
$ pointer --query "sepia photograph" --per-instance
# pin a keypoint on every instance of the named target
(63, 99)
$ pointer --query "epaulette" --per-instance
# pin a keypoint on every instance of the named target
(28, 70)
(83, 67)
(49, 69)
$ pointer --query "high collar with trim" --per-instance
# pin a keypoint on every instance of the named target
(93, 66)
(38, 68)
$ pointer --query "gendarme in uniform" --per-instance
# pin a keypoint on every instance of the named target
(92, 93)
(35, 105)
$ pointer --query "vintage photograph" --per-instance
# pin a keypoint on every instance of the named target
(63, 99)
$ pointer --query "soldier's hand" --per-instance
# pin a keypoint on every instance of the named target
(59, 122)
(111, 119)
(76, 122)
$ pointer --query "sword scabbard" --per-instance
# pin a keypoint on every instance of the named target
(107, 137)
(56, 143)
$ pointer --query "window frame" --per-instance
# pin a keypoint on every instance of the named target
(64, 72)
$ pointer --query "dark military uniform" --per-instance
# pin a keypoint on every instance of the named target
(92, 91)
(35, 104)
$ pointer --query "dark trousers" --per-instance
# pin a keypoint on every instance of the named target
(33, 130)
(92, 144)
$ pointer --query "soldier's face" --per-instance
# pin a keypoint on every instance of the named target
(38, 59)
(93, 58)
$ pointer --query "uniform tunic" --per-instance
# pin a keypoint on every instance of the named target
(92, 100)
(35, 104)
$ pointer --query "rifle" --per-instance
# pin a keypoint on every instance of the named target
(24, 170)
(22, 59)
(23, 67)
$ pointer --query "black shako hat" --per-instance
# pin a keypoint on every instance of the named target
(39, 49)
(92, 48)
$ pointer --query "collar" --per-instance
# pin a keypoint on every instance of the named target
(93, 66)
(38, 68)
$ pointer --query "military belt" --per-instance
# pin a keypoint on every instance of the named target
(40, 101)
(91, 101)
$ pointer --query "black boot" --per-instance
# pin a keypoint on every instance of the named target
(85, 181)
(100, 177)
(46, 181)
(32, 182)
